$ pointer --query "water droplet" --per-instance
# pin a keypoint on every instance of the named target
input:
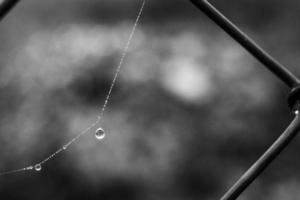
(29, 168)
(64, 147)
(38, 167)
(296, 108)
(100, 134)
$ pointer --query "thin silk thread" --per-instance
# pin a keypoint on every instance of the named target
(100, 116)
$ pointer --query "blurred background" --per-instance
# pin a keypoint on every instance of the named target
(191, 110)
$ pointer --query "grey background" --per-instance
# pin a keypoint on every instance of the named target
(191, 110)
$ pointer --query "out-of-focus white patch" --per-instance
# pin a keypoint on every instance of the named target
(51, 58)
(184, 73)
(187, 79)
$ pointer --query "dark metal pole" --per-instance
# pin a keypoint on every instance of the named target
(274, 66)
(281, 72)
(6, 6)
(258, 167)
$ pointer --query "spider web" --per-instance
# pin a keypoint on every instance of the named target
(38, 166)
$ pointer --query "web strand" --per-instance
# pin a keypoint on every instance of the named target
(103, 108)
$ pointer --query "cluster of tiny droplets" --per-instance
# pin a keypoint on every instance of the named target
(99, 133)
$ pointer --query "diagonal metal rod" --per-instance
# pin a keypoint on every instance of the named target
(280, 71)
(258, 167)
(269, 62)
(6, 6)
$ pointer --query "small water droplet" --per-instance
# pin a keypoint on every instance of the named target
(38, 167)
(100, 134)
(296, 108)
(65, 147)
(29, 168)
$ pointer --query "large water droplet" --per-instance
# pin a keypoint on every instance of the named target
(100, 134)
(38, 167)
(65, 147)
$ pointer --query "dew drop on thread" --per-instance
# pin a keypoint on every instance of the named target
(38, 167)
(100, 134)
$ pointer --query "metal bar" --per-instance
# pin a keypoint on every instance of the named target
(269, 62)
(281, 72)
(258, 167)
(6, 6)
